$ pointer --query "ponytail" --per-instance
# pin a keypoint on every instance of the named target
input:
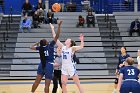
(42, 54)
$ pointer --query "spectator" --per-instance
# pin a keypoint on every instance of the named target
(135, 27)
(35, 20)
(25, 24)
(90, 19)
(41, 15)
(81, 21)
(50, 17)
(127, 4)
(26, 8)
(2, 5)
(40, 5)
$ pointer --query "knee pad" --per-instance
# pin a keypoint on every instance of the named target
(116, 81)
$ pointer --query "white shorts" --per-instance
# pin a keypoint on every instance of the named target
(68, 70)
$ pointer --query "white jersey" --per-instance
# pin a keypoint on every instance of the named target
(68, 66)
(67, 56)
(138, 60)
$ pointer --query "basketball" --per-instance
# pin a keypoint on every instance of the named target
(56, 7)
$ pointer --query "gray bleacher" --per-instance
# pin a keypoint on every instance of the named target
(124, 20)
(97, 58)
(92, 57)
(7, 46)
(1, 15)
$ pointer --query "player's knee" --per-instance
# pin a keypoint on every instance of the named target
(55, 86)
(36, 83)
(116, 81)
(64, 83)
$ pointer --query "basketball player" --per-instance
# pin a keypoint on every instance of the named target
(68, 68)
(138, 58)
(122, 58)
(46, 51)
(128, 78)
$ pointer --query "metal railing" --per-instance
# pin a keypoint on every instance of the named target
(3, 44)
(111, 34)
(5, 35)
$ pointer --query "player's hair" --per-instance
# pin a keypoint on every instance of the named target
(124, 47)
(130, 61)
(41, 52)
(72, 43)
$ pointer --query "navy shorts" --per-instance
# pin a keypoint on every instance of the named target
(130, 86)
(47, 71)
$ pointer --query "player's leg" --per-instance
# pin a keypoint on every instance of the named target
(40, 74)
(59, 78)
(64, 79)
(115, 85)
(48, 76)
(77, 82)
(55, 82)
(47, 85)
(36, 83)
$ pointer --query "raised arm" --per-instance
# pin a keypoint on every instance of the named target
(59, 44)
(33, 47)
(75, 48)
(56, 36)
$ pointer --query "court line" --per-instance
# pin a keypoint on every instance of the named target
(88, 82)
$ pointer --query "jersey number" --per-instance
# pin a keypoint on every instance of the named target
(46, 53)
(131, 72)
(64, 56)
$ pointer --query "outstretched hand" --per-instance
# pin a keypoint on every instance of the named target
(60, 23)
(81, 37)
(52, 27)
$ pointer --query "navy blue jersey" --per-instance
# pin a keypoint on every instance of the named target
(122, 59)
(49, 51)
(130, 72)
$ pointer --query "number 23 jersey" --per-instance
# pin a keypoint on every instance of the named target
(130, 72)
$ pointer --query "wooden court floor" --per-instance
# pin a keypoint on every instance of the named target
(24, 86)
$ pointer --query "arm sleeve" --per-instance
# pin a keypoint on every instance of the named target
(37, 48)
(122, 71)
(52, 43)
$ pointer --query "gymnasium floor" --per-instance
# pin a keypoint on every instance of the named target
(24, 86)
